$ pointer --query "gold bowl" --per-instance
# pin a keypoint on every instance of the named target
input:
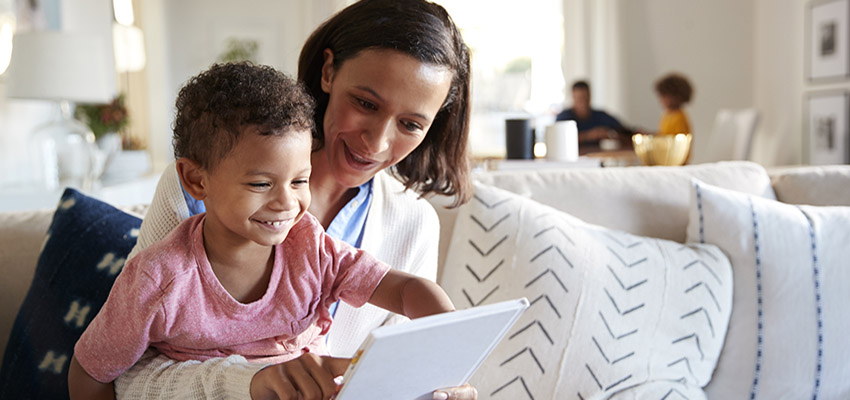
(662, 149)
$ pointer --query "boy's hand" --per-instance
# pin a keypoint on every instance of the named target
(306, 377)
(465, 392)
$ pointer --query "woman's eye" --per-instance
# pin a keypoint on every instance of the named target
(412, 126)
(366, 104)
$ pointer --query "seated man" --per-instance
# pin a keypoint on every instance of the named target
(593, 125)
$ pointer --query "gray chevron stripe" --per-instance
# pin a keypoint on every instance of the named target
(695, 337)
(626, 264)
(512, 381)
(626, 245)
(605, 356)
(613, 336)
(482, 279)
(703, 285)
(548, 301)
(554, 276)
(558, 250)
(626, 288)
(479, 302)
(557, 229)
(702, 263)
(487, 253)
(674, 391)
(530, 352)
(600, 385)
(616, 307)
(534, 323)
(495, 204)
(489, 228)
(704, 313)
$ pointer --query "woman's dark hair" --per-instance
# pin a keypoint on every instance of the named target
(426, 32)
(675, 85)
(214, 106)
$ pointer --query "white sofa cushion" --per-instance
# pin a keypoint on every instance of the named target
(646, 201)
(788, 333)
(815, 185)
(611, 312)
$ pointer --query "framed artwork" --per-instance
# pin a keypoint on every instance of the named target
(828, 136)
(827, 54)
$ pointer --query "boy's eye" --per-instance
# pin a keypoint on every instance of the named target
(299, 182)
(260, 185)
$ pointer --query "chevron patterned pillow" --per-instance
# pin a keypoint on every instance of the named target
(788, 331)
(611, 312)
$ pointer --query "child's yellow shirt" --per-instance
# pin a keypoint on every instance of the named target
(673, 122)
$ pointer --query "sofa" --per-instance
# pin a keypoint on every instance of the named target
(641, 280)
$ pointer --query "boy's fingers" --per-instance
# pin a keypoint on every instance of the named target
(336, 366)
(465, 392)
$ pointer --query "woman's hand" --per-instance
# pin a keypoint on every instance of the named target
(465, 392)
(306, 377)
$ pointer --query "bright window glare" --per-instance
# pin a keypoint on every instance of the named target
(5, 45)
(123, 11)
(516, 64)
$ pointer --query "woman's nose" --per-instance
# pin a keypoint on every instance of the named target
(377, 139)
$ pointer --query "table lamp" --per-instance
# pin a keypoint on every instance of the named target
(62, 67)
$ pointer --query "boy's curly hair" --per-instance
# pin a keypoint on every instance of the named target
(215, 106)
(675, 85)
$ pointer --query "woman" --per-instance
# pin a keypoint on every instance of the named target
(391, 80)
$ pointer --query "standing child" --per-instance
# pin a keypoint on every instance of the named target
(256, 273)
(674, 91)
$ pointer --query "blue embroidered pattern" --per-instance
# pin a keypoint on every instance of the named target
(818, 305)
(699, 208)
(760, 325)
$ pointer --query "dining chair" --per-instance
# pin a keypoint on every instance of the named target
(731, 137)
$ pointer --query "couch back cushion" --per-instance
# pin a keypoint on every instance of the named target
(646, 201)
(814, 185)
(610, 312)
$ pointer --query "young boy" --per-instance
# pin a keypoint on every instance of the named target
(674, 91)
(256, 273)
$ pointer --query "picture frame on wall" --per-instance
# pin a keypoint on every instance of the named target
(828, 128)
(827, 34)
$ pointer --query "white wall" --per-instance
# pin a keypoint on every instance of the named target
(711, 42)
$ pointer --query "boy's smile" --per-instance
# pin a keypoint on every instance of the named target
(259, 190)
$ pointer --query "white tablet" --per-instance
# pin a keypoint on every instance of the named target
(412, 359)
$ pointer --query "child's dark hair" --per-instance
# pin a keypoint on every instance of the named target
(214, 107)
(676, 86)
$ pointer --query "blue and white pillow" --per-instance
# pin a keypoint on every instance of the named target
(788, 335)
(84, 251)
(611, 313)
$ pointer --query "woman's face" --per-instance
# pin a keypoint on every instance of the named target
(382, 103)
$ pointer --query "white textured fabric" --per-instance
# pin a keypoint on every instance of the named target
(401, 230)
(814, 185)
(612, 313)
(787, 336)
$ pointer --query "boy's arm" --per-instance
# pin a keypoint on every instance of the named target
(82, 386)
(410, 295)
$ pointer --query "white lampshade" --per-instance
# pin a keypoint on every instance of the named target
(129, 47)
(53, 65)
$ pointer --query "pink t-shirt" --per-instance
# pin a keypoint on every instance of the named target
(168, 297)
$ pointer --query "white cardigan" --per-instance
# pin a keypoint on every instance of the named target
(401, 230)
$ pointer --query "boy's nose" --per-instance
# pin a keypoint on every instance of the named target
(283, 200)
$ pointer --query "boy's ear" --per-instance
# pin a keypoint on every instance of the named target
(192, 177)
(327, 71)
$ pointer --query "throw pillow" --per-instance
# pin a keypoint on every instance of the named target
(611, 313)
(83, 253)
(787, 335)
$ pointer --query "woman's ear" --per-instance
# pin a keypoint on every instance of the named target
(328, 71)
(192, 177)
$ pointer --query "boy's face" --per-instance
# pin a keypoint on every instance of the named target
(259, 190)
